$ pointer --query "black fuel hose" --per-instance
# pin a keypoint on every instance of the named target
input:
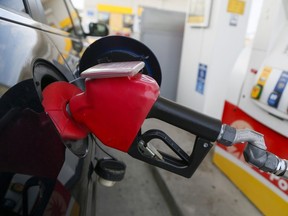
(185, 118)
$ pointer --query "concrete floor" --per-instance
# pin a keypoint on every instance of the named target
(146, 190)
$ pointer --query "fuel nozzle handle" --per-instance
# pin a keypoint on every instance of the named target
(255, 152)
(212, 129)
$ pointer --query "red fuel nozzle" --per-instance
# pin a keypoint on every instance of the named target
(115, 108)
(111, 108)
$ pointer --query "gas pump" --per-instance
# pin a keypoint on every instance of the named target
(119, 96)
(259, 101)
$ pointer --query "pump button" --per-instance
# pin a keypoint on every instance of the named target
(256, 91)
(273, 99)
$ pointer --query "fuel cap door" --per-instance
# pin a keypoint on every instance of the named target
(121, 49)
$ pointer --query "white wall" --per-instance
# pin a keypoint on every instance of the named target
(78, 4)
(256, 7)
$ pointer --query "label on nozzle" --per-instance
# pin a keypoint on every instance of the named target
(113, 69)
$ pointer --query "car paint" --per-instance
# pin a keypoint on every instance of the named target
(32, 56)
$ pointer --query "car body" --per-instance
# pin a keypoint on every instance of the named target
(41, 42)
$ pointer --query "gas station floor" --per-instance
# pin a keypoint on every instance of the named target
(147, 190)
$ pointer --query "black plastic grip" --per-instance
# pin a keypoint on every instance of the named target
(189, 120)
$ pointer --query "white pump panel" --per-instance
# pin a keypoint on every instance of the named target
(270, 50)
(208, 57)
